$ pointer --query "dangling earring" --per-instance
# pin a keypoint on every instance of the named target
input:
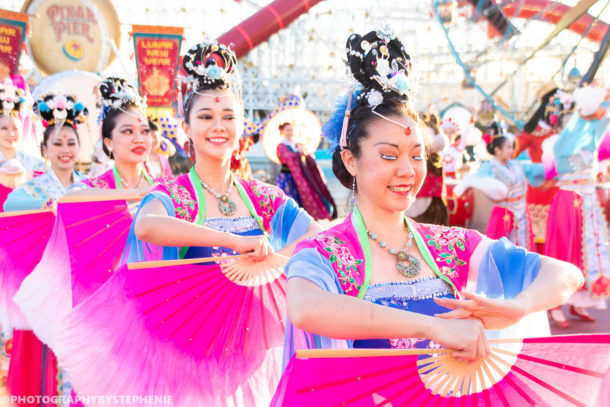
(190, 151)
(352, 199)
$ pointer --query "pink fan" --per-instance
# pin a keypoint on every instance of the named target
(96, 232)
(212, 310)
(23, 238)
(555, 371)
(197, 332)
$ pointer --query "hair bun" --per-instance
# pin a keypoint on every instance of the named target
(117, 93)
(379, 62)
(212, 65)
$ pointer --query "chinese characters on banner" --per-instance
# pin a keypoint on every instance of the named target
(157, 51)
(13, 28)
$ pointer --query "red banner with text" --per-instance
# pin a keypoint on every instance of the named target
(157, 51)
(13, 27)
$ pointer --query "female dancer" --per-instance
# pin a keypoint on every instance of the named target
(300, 177)
(207, 212)
(16, 167)
(577, 229)
(544, 123)
(33, 369)
(408, 274)
(509, 178)
(60, 145)
(285, 150)
(126, 138)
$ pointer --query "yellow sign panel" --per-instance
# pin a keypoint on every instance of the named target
(72, 34)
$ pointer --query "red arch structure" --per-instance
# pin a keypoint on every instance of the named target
(277, 15)
(530, 8)
(257, 28)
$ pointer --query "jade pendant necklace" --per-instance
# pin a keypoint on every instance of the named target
(407, 265)
(225, 205)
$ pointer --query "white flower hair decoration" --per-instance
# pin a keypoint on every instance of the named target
(60, 108)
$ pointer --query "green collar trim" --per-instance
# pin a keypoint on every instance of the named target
(200, 196)
(363, 238)
(117, 178)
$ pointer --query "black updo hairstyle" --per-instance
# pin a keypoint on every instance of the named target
(211, 66)
(117, 96)
(497, 139)
(540, 113)
(362, 60)
(75, 114)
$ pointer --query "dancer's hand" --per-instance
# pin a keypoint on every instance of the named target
(466, 336)
(256, 248)
(494, 314)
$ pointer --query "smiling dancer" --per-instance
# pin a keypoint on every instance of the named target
(207, 212)
(392, 282)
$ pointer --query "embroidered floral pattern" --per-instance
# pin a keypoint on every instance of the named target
(411, 343)
(342, 260)
(182, 199)
(98, 183)
(268, 199)
(447, 241)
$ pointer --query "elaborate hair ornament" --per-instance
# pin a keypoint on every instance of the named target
(348, 109)
(11, 99)
(407, 128)
(59, 109)
(450, 124)
(117, 93)
(380, 65)
(498, 132)
(210, 64)
(332, 130)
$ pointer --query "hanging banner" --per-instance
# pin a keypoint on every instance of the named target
(157, 51)
(13, 27)
(72, 34)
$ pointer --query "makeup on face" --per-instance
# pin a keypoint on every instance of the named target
(131, 138)
(391, 166)
(214, 125)
(62, 149)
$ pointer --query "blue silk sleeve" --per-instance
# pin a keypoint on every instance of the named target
(485, 170)
(289, 223)
(138, 250)
(310, 265)
(506, 270)
(534, 172)
(20, 200)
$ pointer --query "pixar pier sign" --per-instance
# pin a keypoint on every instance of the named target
(72, 34)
